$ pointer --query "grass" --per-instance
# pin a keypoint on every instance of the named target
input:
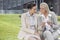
(10, 26)
(59, 19)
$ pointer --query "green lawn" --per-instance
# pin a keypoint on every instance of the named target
(9, 26)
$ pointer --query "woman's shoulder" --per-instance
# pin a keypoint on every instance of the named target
(52, 13)
(24, 14)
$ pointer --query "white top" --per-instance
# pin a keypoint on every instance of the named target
(46, 19)
(31, 21)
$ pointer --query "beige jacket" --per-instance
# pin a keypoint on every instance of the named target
(25, 22)
(25, 31)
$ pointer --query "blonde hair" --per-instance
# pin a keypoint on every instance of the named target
(45, 5)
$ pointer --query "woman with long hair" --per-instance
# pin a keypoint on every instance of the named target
(48, 19)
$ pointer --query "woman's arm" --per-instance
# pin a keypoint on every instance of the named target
(54, 17)
(41, 25)
(54, 20)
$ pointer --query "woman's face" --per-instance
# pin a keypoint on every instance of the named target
(42, 9)
(33, 10)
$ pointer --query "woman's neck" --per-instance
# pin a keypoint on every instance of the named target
(46, 14)
(30, 13)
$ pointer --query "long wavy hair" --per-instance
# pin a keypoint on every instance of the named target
(45, 5)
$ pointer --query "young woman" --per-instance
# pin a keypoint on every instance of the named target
(49, 22)
(29, 24)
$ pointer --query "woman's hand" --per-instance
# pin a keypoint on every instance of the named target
(42, 24)
(36, 33)
(49, 22)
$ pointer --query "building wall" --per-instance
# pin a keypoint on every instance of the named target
(12, 5)
(1, 4)
(15, 6)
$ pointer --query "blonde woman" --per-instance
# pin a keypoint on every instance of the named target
(49, 21)
(29, 25)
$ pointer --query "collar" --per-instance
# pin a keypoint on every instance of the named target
(49, 15)
(28, 14)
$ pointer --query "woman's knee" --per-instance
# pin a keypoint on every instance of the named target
(47, 33)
